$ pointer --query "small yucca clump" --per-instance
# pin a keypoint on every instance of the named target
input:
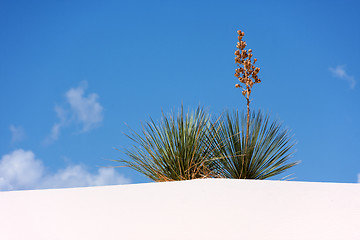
(178, 147)
(246, 73)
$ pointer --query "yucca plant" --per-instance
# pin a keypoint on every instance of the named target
(251, 146)
(178, 147)
(189, 146)
(263, 155)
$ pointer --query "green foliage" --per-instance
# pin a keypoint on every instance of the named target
(189, 146)
(177, 148)
(267, 152)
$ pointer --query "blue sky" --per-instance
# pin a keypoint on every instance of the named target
(74, 73)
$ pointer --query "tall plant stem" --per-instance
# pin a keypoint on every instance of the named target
(247, 118)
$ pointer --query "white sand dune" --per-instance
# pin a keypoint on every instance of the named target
(197, 209)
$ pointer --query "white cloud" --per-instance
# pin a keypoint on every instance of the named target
(339, 71)
(20, 170)
(18, 133)
(55, 131)
(77, 176)
(84, 110)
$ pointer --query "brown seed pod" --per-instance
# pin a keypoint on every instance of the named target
(246, 71)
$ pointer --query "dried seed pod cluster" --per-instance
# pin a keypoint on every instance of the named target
(246, 72)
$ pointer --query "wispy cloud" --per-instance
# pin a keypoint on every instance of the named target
(339, 71)
(18, 133)
(55, 130)
(20, 170)
(86, 110)
(81, 109)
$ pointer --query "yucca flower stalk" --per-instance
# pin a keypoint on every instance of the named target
(178, 147)
(246, 73)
